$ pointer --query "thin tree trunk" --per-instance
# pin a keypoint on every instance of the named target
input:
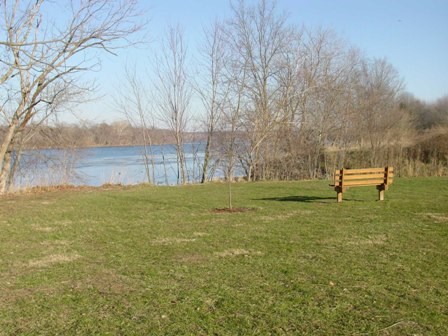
(164, 166)
(181, 159)
(229, 185)
(206, 158)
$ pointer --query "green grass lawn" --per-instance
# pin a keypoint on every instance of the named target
(158, 261)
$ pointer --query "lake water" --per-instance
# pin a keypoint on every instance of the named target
(125, 165)
(102, 165)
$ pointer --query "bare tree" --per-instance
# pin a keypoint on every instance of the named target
(290, 94)
(378, 88)
(326, 67)
(173, 92)
(230, 123)
(212, 88)
(41, 60)
(132, 101)
(257, 37)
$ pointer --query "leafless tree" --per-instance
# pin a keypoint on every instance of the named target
(132, 101)
(230, 124)
(327, 66)
(41, 60)
(290, 91)
(378, 89)
(173, 92)
(212, 88)
(257, 37)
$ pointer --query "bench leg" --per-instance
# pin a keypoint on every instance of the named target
(381, 195)
(339, 191)
(339, 197)
(381, 189)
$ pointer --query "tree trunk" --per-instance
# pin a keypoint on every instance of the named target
(5, 173)
(181, 178)
(14, 166)
(206, 158)
(5, 157)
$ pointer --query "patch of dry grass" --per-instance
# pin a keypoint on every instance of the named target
(171, 240)
(237, 252)
(52, 259)
(437, 217)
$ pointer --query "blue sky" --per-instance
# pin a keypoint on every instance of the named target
(410, 34)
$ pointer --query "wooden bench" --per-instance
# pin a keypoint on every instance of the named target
(379, 177)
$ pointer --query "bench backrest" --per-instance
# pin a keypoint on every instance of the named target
(363, 177)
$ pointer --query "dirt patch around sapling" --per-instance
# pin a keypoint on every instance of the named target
(232, 210)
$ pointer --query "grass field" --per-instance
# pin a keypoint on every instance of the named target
(158, 261)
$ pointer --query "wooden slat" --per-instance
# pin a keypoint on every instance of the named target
(360, 183)
(364, 170)
(363, 176)
(383, 179)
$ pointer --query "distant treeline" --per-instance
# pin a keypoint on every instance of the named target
(118, 133)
